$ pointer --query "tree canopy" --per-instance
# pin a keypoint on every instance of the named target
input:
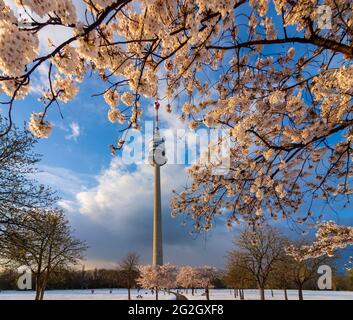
(19, 191)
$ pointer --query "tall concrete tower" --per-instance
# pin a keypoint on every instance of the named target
(157, 159)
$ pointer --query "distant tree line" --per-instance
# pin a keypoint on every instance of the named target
(128, 274)
(114, 278)
(62, 279)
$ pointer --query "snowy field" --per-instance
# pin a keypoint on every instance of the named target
(278, 295)
(99, 294)
(216, 294)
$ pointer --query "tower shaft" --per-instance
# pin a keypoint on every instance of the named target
(157, 256)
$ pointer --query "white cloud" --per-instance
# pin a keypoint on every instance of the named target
(64, 180)
(124, 198)
(122, 204)
(113, 212)
(40, 82)
(68, 205)
(75, 131)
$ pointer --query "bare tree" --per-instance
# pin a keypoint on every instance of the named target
(257, 251)
(282, 275)
(238, 275)
(305, 270)
(19, 192)
(129, 268)
(44, 242)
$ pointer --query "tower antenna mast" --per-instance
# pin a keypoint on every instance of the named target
(157, 159)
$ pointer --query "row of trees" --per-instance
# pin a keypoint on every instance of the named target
(129, 274)
(33, 232)
(260, 259)
(232, 277)
(74, 278)
(168, 277)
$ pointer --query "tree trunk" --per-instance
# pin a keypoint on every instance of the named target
(241, 294)
(235, 293)
(38, 287)
(192, 291)
(44, 284)
(285, 294)
(129, 293)
(262, 293)
(300, 292)
(207, 292)
(156, 294)
(37, 293)
(38, 276)
(42, 289)
(272, 293)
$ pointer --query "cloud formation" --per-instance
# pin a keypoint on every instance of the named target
(122, 203)
(75, 131)
(67, 182)
(114, 213)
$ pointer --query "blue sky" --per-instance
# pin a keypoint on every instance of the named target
(109, 204)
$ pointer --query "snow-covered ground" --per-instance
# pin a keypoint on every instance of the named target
(98, 294)
(277, 295)
(215, 294)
